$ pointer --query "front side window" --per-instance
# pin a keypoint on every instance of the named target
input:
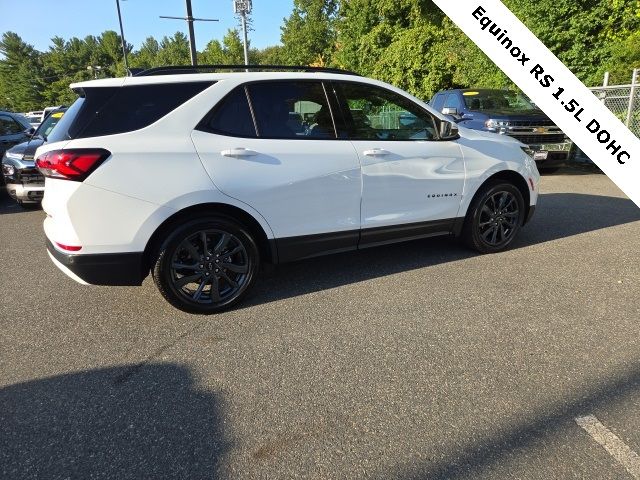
(438, 103)
(292, 110)
(452, 101)
(8, 126)
(374, 113)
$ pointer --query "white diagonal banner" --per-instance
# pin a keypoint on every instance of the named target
(557, 91)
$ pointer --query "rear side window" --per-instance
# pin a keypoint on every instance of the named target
(108, 111)
(292, 110)
(232, 116)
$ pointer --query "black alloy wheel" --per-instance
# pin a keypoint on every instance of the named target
(494, 218)
(206, 266)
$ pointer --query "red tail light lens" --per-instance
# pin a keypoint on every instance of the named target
(70, 248)
(73, 164)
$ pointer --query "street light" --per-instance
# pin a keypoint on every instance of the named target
(124, 45)
(243, 8)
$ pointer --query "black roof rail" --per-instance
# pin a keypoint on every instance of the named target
(184, 69)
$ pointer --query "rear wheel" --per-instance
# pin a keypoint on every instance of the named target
(206, 265)
(494, 217)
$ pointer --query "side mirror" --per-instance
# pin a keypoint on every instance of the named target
(29, 131)
(450, 111)
(448, 130)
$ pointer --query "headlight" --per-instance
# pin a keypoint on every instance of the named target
(8, 170)
(14, 156)
(497, 126)
(528, 151)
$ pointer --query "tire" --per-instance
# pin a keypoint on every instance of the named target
(497, 207)
(206, 266)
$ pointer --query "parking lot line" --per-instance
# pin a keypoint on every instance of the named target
(611, 443)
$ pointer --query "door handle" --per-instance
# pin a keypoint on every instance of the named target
(375, 152)
(238, 152)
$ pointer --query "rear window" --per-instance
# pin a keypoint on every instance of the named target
(108, 110)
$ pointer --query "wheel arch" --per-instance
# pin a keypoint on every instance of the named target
(265, 247)
(510, 176)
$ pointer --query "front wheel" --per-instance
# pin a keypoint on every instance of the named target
(494, 218)
(206, 266)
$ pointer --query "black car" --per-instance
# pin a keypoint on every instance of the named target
(24, 182)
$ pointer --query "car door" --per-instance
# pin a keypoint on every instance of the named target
(274, 146)
(412, 182)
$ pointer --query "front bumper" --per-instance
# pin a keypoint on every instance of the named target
(26, 193)
(115, 269)
(557, 154)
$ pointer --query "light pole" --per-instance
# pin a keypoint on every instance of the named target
(124, 44)
(192, 37)
(242, 8)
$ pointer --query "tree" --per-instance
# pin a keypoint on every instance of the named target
(21, 81)
(174, 50)
(308, 35)
(147, 56)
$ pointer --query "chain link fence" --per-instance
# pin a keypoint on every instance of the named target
(624, 102)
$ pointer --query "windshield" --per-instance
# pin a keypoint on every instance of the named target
(45, 127)
(497, 100)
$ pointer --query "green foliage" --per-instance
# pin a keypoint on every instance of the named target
(21, 74)
(308, 35)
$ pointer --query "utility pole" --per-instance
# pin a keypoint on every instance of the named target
(124, 44)
(242, 8)
(192, 37)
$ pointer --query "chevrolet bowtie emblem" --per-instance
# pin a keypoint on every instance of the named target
(540, 130)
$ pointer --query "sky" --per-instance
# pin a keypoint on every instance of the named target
(36, 21)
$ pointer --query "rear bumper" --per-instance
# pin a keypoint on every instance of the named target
(116, 269)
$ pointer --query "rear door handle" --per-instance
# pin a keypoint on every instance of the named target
(238, 152)
(375, 152)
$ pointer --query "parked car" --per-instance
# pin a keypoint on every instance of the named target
(14, 129)
(24, 182)
(199, 178)
(507, 113)
(35, 118)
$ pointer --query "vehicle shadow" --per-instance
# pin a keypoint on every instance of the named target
(558, 215)
(470, 460)
(8, 205)
(141, 421)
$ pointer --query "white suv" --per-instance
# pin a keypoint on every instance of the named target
(199, 177)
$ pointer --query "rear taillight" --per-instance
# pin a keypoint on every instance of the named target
(72, 164)
(69, 248)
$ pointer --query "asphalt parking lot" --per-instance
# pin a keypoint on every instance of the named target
(412, 361)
